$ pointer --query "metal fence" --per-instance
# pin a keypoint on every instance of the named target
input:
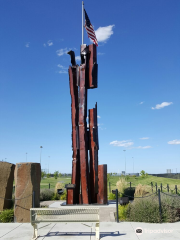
(158, 193)
(154, 187)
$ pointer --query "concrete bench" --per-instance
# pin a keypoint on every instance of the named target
(64, 214)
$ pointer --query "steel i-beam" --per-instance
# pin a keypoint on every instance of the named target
(94, 147)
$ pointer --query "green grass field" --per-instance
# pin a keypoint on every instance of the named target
(147, 181)
(45, 181)
(113, 179)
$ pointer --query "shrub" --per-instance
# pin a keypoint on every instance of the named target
(144, 210)
(64, 195)
(7, 216)
(121, 185)
(46, 194)
(142, 190)
(170, 208)
(55, 196)
(112, 196)
(122, 212)
(59, 185)
(147, 209)
(127, 178)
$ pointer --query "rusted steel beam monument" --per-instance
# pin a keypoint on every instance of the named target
(89, 181)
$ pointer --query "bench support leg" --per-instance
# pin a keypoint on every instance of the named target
(35, 236)
(97, 231)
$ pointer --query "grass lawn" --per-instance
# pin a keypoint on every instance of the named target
(113, 179)
(147, 180)
(45, 181)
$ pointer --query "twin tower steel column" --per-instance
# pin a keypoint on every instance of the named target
(89, 181)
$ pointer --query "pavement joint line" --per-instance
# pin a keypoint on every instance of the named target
(86, 225)
(11, 230)
(91, 232)
(134, 230)
(49, 230)
(45, 225)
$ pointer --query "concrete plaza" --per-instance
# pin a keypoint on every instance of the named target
(109, 229)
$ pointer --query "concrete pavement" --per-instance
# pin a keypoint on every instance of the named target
(108, 231)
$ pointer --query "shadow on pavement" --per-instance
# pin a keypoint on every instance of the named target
(102, 234)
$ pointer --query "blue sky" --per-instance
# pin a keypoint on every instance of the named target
(138, 92)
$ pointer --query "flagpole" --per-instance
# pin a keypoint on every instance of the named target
(82, 22)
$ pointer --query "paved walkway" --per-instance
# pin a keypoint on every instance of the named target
(78, 231)
(109, 230)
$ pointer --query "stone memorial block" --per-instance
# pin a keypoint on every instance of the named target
(6, 184)
(27, 180)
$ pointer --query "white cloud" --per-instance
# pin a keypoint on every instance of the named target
(124, 143)
(141, 102)
(104, 33)
(145, 147)
(49, 43)
(61, 66)
(78, 58)
(174, 142)
(27, 45)
(162, 105)
(62, 51)
(98, 116)
(44, 45)
(99, 53)
(62, 71)
(144, 138)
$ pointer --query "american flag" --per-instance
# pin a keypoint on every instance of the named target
(90, 30)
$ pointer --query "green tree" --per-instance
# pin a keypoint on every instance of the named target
(43, 174)
(60, 175)
(108, 177)
(56, 174)
(142, 173)
(48, 175)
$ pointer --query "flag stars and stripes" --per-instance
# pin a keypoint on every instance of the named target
(90, 30)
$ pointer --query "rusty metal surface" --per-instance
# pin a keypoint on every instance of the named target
(102, 184)
(85, 172)
(93, 140)
(70, 196)
(75, 129)
(82, 135)
(80, 199)
(93, 67)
